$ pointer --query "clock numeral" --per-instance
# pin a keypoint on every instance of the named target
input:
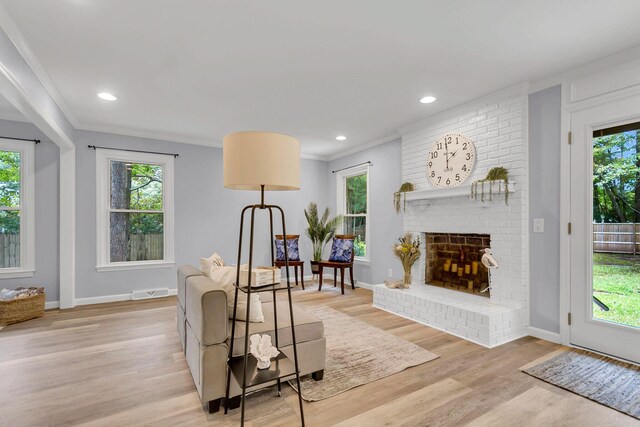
(457, 177)
(433, 174)
(464, 146)
(468, 156)
(439, 179)
(464, 168)
(430, 164)
(439, 145)
(457, 142)
(434, 155)
(448, 181)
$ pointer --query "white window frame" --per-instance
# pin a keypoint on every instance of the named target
(103, 208)
(26, 208)
(341, 203)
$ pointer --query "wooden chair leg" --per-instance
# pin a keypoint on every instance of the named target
(353, 284)
(335, 277)
(302, 276)
(319, 278)
(342, 280)
(295, 273)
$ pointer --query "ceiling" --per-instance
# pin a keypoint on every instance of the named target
(194, 70)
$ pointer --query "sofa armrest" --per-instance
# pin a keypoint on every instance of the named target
(207, 310)
(184, 272)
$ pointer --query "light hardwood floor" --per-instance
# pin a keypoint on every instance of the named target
(122, 364)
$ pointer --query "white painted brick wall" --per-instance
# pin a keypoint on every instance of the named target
(498, 126)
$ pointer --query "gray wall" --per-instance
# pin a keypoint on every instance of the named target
(206, 214)
(385, 177)
(544, 202)
(47, 210)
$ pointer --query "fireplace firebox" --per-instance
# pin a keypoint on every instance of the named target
(453, 262)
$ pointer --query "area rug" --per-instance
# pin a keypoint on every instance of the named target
(602, 379)
(357, 354)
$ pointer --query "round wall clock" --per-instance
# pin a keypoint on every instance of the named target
(450, 160)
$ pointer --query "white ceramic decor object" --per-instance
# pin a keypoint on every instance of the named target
(262, 350)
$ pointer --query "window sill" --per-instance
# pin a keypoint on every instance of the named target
(11, 273)
(362, 261)
(139, 265)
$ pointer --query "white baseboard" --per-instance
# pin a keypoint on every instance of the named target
(543, 334)
(50, 305)
(100, 300)
(364, 285)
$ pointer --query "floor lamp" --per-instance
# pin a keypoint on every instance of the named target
(260, 161)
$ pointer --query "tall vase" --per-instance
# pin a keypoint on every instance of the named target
(407, 277)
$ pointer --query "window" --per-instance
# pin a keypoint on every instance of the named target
(353, 204)
(135, 209)
(17, 204)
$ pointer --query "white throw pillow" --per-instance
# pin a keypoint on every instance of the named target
(213, 260)
(225, 276)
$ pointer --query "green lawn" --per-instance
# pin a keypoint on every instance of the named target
(616, 282)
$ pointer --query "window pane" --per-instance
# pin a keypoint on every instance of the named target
(357, 225)
(9, 239)
(136, 236)
(356, 194)
(136, 186)
(9, 179)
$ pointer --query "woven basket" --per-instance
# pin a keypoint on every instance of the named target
(19, 310)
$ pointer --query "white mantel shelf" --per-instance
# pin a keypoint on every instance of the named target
(460, 191)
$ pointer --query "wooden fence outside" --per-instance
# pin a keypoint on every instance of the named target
(142, 247)
(9, 250)
(622, 238)
(145, 247)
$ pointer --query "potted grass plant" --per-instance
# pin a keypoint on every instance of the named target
(320, 231)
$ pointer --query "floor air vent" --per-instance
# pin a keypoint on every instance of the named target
(150, 293)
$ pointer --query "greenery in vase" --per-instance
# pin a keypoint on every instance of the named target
(321, 229)
(408, 251)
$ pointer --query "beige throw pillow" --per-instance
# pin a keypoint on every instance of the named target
(225, 276)
(213, 260)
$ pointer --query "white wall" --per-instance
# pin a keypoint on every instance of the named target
(47, 210)
(385, 224)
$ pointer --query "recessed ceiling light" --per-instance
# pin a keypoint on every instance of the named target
(341, 137)
(428, 99)
(107, 96)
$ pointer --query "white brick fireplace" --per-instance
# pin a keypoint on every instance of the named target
(498, 126)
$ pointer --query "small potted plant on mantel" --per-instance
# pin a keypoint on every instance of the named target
(320, 231)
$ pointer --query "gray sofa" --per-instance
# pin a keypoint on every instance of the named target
(204, 328)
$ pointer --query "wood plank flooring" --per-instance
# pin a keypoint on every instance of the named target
(122, 364)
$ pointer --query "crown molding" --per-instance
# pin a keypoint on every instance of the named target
(159, 136)
(149, 134)
(314, 157)
(363, 147)
(11, 30)
(602, 64)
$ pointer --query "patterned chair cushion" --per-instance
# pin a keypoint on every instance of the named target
(292, 249)
(341, 250)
